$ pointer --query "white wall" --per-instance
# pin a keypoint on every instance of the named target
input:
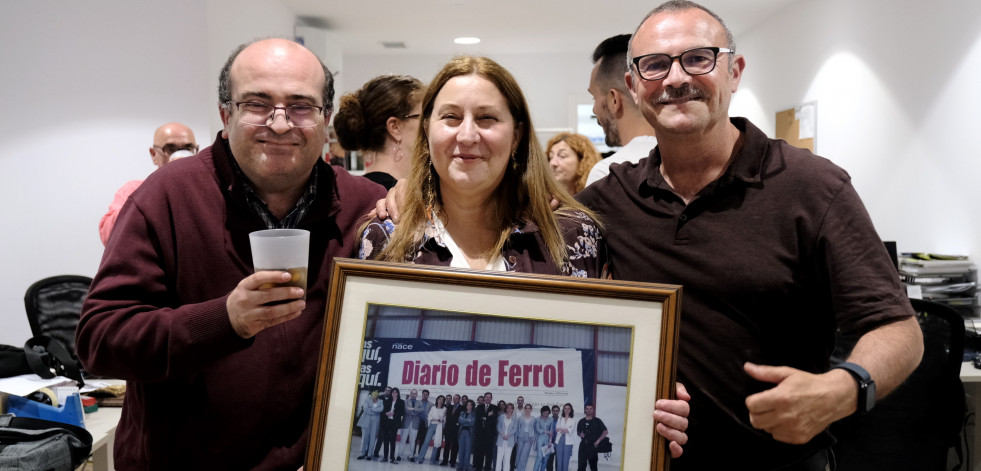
(552, 84)
(897, 91)
(85, 84)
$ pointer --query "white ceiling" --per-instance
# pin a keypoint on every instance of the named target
(504, 26)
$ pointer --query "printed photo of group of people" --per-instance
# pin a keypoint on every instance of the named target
(476, 434)
(485, 406)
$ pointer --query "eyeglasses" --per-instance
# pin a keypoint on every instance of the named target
(171, 148)
(699, 61)
(261, 114)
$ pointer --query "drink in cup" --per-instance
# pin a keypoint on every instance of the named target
(282, 250)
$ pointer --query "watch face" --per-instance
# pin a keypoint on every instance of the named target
(869, 395)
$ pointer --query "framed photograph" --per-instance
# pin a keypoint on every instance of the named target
(402, 339)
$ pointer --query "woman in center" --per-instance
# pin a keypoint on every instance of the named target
(479, 189)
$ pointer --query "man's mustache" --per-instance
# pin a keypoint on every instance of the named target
(680, 93)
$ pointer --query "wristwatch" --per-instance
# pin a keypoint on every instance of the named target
(866, 387)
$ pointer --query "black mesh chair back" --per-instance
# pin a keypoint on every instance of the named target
(54, 305)
(914, 427)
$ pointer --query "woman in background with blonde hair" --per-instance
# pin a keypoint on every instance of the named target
(571, 157)
(479, 190)
(382, 120)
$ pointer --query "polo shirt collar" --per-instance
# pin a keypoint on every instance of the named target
(746, 165)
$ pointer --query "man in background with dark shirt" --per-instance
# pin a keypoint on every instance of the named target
(590, 430)
(485, 437)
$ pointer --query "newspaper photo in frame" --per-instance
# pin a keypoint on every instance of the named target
(452, 332)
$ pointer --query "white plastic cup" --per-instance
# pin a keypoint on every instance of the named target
(282, 250)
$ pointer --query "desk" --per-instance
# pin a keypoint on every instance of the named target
(971, 377)
(102, 425)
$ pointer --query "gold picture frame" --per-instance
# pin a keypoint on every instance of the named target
(650, 311)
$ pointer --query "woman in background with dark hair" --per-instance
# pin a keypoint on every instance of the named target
(565, 429)
(381, 120)
(434, 431)
(543, 444)
(465, 421)
(391, 422)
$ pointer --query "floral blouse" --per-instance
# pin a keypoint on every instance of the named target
(525, 250)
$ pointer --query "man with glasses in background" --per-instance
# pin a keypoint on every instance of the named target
(171, 141)
(219, 372)
(775, 251)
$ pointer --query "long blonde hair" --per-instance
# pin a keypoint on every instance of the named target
(524, 192)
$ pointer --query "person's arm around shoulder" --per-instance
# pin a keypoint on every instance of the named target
(801, 404)
(375, 238)
(388, 208)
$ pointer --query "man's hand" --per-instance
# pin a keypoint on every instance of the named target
(801, 405)
(389, 207)
(671, 416)
(248, 308)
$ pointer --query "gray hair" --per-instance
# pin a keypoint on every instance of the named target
(675, 6)
(225, 81)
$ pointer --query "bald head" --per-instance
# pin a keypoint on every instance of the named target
(272, 50)
(168, 140)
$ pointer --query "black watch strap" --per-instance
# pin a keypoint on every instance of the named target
(866, 387)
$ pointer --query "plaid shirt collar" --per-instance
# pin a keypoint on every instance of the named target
(294, 217)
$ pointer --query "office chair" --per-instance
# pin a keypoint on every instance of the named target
(54, 306)
(914, 427)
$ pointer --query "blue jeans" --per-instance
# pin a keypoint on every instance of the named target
(465, 438)
(524, 446)
(564, 453)
(430, 432)
(540, 460)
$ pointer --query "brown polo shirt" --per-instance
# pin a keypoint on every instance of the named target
(773, 257)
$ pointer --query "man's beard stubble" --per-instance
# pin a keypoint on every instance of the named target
(610, 132)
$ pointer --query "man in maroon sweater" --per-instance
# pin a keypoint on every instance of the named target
(216, 378)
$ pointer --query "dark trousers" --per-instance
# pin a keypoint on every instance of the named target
(451, 446)
(483, 452)
(389, 434)
(550, 464)
(587, 454)
(479, 450)
(422, 435)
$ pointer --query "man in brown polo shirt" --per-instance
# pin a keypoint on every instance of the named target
(775, 251)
